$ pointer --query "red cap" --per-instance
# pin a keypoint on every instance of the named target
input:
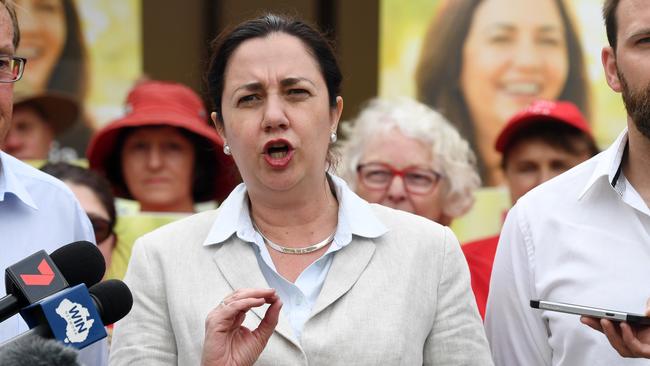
(542, 111)
(157, 103)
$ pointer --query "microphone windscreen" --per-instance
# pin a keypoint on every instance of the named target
(37, 351)
(80, 262)
(113, 299)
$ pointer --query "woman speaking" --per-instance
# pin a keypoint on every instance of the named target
(294, 268)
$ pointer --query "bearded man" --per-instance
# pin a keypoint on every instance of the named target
(584, 236)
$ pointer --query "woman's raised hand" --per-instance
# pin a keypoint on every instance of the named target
(227, 342)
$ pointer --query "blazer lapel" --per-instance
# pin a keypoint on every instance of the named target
(347, 266)
(238, 265)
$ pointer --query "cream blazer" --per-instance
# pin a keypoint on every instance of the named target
(401, 299)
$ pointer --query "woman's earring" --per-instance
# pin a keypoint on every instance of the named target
(226, 149)
(333, 137)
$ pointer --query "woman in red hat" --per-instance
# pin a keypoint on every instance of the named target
(163, 153)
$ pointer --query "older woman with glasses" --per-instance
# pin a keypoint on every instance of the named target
(404, 155)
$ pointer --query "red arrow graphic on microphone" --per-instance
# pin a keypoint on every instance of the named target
(44, 277)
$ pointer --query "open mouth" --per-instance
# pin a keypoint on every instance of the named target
(277, 149)
(278, 153)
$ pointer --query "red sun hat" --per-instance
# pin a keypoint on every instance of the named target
(543, 111)
(158, 103)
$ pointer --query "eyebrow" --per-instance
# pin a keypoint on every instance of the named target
(256, 86)
(293, 81)
(510, 27)
(639, 33)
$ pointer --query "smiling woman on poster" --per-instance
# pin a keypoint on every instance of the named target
(53, 43)
(499, 56)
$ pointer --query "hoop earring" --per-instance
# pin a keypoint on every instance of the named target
(333, 137)
(226, 149)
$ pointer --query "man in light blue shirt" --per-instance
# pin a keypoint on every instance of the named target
(37, 211)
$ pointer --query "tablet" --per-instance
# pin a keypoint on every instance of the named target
(615, 315)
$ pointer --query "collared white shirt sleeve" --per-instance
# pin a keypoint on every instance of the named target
(517, 334)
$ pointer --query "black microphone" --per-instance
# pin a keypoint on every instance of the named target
(113, 300)
(40, 275)
(36, 351)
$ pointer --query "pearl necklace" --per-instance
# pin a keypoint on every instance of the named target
(289, 250)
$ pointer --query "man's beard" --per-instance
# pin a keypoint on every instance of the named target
(637, 104)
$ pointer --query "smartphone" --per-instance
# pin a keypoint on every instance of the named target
(614, 315)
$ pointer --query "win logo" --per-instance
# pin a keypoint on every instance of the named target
(78, 321)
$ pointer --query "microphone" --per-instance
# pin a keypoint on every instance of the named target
(40, 275)
(34, 350)
(76, 315)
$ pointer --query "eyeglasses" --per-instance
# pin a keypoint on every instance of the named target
(379, 176)
(11, 68)
(102, 227)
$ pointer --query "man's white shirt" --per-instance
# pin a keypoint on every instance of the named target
(582, 238)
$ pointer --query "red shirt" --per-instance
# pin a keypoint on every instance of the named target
(480, 257)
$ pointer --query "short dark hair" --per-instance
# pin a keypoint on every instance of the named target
(557, 135)
(9, 5)
(204, 176)
(87, 178)
(609, 15)
(228, 41)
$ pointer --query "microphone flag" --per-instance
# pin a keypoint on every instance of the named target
(71, 316)
(34, 278)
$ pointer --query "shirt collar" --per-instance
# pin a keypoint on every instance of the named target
(9, 183)
(355, 216)
(609, 164)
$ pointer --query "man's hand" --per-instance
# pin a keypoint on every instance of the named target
(628, 340)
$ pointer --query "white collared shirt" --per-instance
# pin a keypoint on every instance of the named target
(582, 238)
(355, 217)
(38, 212)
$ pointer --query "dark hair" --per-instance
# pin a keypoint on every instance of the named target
(439, 68)
(70, 74)
(9, 5)
(557, 135)
(609, 15)
(227, 42)
(87, 178)
(204, 175)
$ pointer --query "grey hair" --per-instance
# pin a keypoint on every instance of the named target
(452, 155)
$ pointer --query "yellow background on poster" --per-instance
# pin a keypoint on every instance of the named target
(402, 29)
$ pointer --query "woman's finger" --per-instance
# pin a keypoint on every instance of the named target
(270, 321)
(248, 293)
